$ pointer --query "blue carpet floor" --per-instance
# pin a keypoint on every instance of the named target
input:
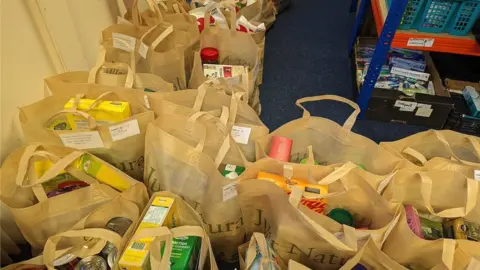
(306, 55)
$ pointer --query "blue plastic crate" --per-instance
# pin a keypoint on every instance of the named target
(411, 12)
(436, 16)
(463, 21)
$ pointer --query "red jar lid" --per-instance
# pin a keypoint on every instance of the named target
(209, 54)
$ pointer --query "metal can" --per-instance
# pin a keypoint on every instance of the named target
(119, 225)
(66, 262)
(112, 256)
(92, 263)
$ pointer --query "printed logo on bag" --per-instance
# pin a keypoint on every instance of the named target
(130, 166)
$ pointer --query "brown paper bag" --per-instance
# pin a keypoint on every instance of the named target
(189, 223)
(266, 208)
(121, 144)
(331, 142)
(166, 45)
(235, 48)
(183, 155)
(420, 148)
(211, 98)
(260, 11)
(39, 217)
(407, 249)
(371, 257)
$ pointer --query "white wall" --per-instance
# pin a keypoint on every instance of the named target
(40, 38)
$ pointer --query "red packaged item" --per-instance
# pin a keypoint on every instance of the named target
(280, 148)
(413, 220)
(209, 55)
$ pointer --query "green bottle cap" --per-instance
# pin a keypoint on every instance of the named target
(305, 160)
(341, 216)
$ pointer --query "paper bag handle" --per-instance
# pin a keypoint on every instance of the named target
(104, 234)
(347, 126)
(472, 140)
(233, 14)
(471, 199)
(176, 6)
(136, 12)
(161, 37)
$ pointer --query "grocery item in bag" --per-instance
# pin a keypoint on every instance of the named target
(259, 254)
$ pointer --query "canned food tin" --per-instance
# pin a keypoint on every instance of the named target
(69, 266)
(112, 256)
(119, 225)
(92, 263)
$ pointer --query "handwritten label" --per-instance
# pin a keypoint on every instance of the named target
(229, 192)
(124, 42)
(241, 134)
(424, 112)
(421, 42)
(82, 140)
(476, 174)
(124, 130)
(410, 74)
(406, 106)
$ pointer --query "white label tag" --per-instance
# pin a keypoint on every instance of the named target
(241, 134)
(124, 42)
(406, 106)
(143, 50)
(476, 174)
(385, 182)
(124, 130)
(230, 167)
(420, 42)
(229, 192)
(410, 74)
(147, 102)
(421, 105)
(424, 112)
(82, 140)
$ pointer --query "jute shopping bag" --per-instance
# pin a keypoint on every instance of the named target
(293, 265)
(166, 45)
(188, 223)
(25, 178)
(407, 249)
(371, 257)
(420, 148)
(346, 190)
(107, 75)
(119, 143)
(53, 257)
(331, 142)
(441, 193)
(183, 155)
(243, 122)
(235, 48)
(259, 245)
(266, 208)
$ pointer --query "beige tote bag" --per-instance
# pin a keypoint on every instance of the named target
(371, 257)
(183, 155)
(39, 217)
(266, 208)
(189, 223)
(407, 249)
(235, 48)
(121, 144)
(243, 122)
(441, 193)
(248, 252)
(422, 147)
(331, 142)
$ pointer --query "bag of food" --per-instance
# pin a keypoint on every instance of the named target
(331, 142)
(243, 123)
(237, 50)
(110, 125)
(262, 11)
(257, 31)
(178, 227)
(184, 155)
(259, 254)
(371, 257)
(166, 47)
(48, 188)
(421, 148)
(266, 208)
